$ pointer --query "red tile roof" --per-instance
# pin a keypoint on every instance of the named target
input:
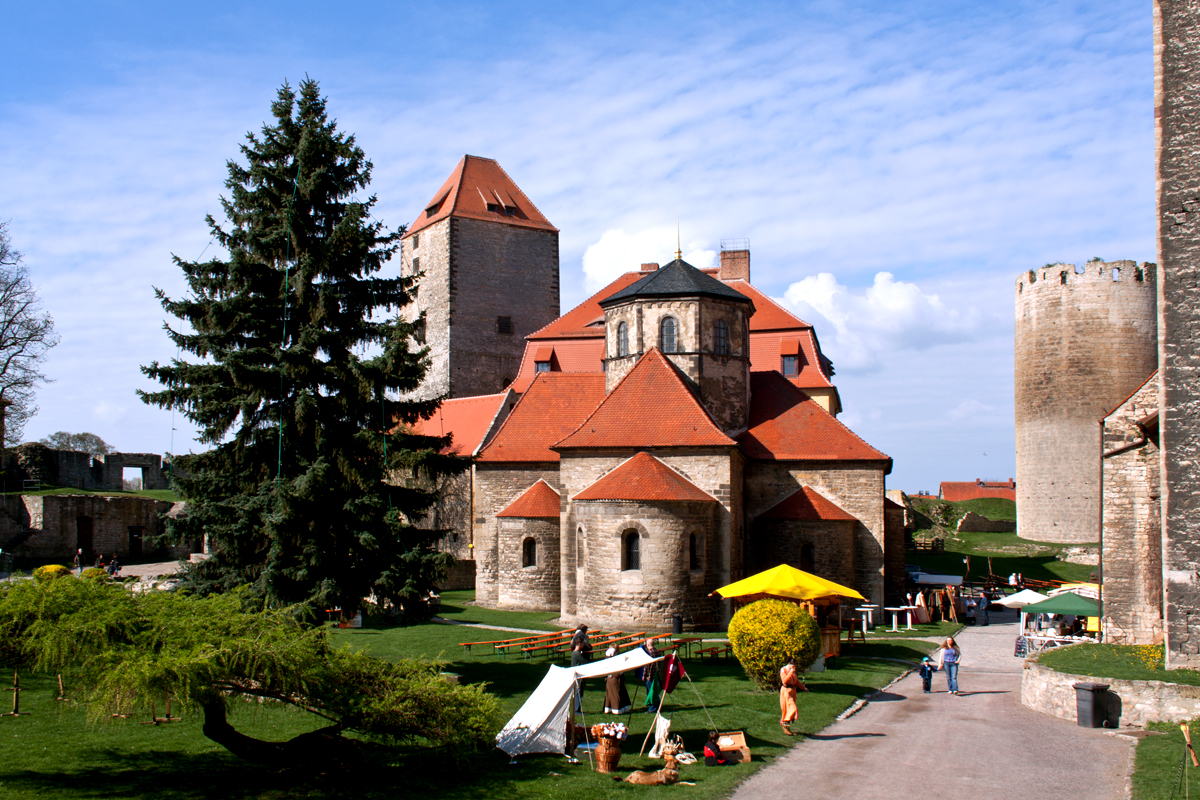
(467, 419)
(474, 184)
(650, 407)
(806, 503)
(587, 318)
(555, 404)
(768, 315)
(786, 425)
(578, 337)
(644, 478)
(955, 491)
(539, 501)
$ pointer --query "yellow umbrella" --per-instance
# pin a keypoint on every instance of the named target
(788, 583)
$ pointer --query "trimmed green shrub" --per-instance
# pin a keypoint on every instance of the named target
(94, 574)
(766, 632)
(50, 572)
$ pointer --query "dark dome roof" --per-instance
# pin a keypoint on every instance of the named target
(677, 279)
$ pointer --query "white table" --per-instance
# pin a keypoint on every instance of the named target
(896, 615)
(868, 612)
(910, 610)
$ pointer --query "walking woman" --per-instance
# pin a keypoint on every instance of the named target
(948, 659)
(789, 683)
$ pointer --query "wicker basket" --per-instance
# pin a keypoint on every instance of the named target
(608, 754)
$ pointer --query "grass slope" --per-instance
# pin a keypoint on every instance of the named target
(56, 751)
(1157, 764)
(1122, 662)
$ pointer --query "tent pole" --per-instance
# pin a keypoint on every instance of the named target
(583, 716)
(653, 723)
(632, 703)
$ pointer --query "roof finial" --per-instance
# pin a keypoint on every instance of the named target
(678, 250)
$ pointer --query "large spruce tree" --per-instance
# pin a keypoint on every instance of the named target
(297, 346)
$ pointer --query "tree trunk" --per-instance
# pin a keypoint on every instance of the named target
(323, 749)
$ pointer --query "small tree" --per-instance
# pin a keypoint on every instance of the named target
(765, 633)
(296, 356)
(127, 651)
(79, 442)
(26, 335)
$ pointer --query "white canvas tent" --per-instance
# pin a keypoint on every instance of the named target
(540, 726)
(1025, 597)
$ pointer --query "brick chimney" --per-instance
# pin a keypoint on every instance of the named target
(650, 267)
(735, 260)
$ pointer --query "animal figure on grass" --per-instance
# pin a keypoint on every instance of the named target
(666, 776)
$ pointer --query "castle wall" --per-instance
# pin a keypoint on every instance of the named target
(433, 298)
(497, 485)
(49, 527)
(856, 487)
(893, 550)
(1084, 342)
(535, 586)
(1177, 139)
(1131, 555)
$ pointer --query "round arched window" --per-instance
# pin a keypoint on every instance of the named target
(667, 339)
(631, 555)
(622, 340)
(529, 552)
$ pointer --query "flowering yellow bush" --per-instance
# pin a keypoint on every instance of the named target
(94, 574)
(765, 632)
(50, 572)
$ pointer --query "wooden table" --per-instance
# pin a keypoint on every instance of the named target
(686, 644)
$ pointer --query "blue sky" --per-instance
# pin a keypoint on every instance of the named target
(895, 167)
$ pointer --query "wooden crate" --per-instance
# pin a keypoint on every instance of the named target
(737, 750)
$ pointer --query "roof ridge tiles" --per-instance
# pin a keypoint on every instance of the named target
(535, 502)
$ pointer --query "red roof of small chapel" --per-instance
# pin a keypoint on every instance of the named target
(643, 478)
(539, 501)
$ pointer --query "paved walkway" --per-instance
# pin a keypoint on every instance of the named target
(983, 744)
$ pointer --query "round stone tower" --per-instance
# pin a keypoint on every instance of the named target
(1085, 340)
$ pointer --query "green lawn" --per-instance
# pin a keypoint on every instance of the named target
(56, 751)
(456, 608)
(1123, 662)
(1156, 766)
(154, 494)
(941, 629)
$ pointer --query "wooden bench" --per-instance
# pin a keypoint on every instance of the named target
(934, 545)
(502, 643)
(855, 629)
(715, 650)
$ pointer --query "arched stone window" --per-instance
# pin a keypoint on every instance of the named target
(529, 552)
(631, 550)
(581, 548)
(806, 557)
(622, 340)
(721, 338)
(693, 553)
(667, 339)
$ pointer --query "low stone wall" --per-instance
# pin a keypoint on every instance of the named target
(1129, 702)
(976, 523)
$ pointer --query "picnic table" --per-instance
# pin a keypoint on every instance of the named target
(496, 645)
(687, 643)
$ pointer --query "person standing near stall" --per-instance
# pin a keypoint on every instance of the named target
(949, 658)
(581, 653)
(651, 675)
(789, 684)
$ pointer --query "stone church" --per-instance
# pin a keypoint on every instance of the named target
(673, 433)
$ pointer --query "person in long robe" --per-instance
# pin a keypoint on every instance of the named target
(651, 674)
(616, 696)
(790, 683)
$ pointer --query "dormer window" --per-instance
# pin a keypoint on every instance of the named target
(622, 340)
(542, 357)
(541, 366)
(721, 338)
(789, 356)
(495, 208)
(790, 365)
(666, 335)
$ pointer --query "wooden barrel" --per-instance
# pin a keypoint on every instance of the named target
(608, 753)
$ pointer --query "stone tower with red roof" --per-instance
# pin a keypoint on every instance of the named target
(488, 261)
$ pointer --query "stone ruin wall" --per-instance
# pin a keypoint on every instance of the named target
(1084, 342)
(1131, 552)
(47, 527)
(1177, 140)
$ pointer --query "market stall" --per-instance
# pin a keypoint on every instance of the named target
(821, 598)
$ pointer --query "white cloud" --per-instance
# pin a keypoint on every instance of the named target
(617, 252)
(874, 324)
(969, 409)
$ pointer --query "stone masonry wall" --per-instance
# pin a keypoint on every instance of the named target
(432, 255)
(497, 485)
(1131, 552)
(1132, 703)
(779, 541)
(535, 586)
(1084, 342)
(893, 565)
(1177, 138)
(716, 472)
(51, 525)
(609, 594)
(856, 487)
